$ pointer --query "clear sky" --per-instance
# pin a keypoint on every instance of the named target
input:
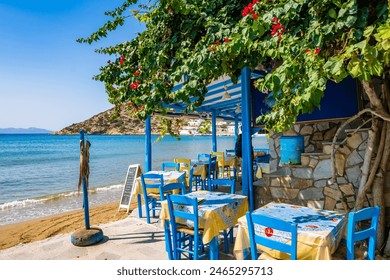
(45, 75)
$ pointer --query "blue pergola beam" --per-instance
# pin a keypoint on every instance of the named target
(247, 168)
(148, 144)
(214, 130)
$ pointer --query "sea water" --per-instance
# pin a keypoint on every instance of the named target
(39, 172)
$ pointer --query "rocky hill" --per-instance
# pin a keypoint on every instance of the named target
(104, 123)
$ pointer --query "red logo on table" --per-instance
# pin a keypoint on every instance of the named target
(269, 232)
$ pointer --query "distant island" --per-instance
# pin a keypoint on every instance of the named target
(30, 130)
(125, 124)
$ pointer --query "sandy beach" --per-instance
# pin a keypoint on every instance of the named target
(42, 228)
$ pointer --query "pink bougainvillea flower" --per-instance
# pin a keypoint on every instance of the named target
(255, 16)
(255, 1)
(245, 12)
(317, 50)
(136, 73)
(121, 60)
(217, 42)
(226, 40)
(170, 11)
(277, 28)
(134, 85)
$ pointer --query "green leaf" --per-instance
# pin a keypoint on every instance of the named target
(337, 3)
(381, 8)
(368, 31)
(386, 44)
(354, 67)
(350, 21)
(332, 13)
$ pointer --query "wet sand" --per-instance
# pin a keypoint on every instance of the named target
(67, 222)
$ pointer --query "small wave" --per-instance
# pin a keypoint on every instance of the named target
(54, 197)
(20, 203)
(108, 188)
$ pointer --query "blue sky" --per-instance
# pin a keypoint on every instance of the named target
(45, 75)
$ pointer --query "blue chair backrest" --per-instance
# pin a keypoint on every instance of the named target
(203, 157)
(170, 165)
(152, 181)
(230, 152)
(370, 232)
(186, 208)
(179, 212)
(224, 182)
(171, 187)
(274, 224)
(212, 162)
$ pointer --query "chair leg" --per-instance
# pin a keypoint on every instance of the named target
(139, 201)
(225, 242)
(147, 212)
(168, 240)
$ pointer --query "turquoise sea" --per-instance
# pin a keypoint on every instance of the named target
(39, 172)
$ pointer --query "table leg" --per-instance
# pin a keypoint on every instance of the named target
(214, 249)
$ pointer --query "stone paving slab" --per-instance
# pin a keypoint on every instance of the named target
(128, 239)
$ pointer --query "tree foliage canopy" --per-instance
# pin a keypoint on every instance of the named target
(302, 43)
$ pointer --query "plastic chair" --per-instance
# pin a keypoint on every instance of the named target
(354, 235)
(223, 168)
(231, 184)
(151, 199)
(260, 238)
(185, 239)
(170, 166)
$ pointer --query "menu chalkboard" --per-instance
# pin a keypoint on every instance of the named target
(132, 174)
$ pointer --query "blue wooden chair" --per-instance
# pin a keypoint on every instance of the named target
(212, 166)
(230, 152)
(353, 235)
(255, 238)
(231, 184)
(186, 240)
(193, 181)
(166, 190)
(170, 166)
(151, 199)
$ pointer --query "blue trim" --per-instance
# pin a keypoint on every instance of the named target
(247, 172)
(148, 144)
(85, 190)
(214, 130)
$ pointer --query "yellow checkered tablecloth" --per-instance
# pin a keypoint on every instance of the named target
(169, 177)
(217, 211)
(319, 231)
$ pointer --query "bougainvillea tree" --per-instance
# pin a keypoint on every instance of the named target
(303, 44)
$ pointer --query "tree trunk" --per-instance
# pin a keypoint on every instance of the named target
(379, 104)
(366, 180)
(379, 183)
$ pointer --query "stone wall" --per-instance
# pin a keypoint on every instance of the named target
(310, 182)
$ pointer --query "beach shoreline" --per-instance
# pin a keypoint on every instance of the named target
(66, 222)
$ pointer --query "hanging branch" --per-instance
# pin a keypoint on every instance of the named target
(342, 127)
